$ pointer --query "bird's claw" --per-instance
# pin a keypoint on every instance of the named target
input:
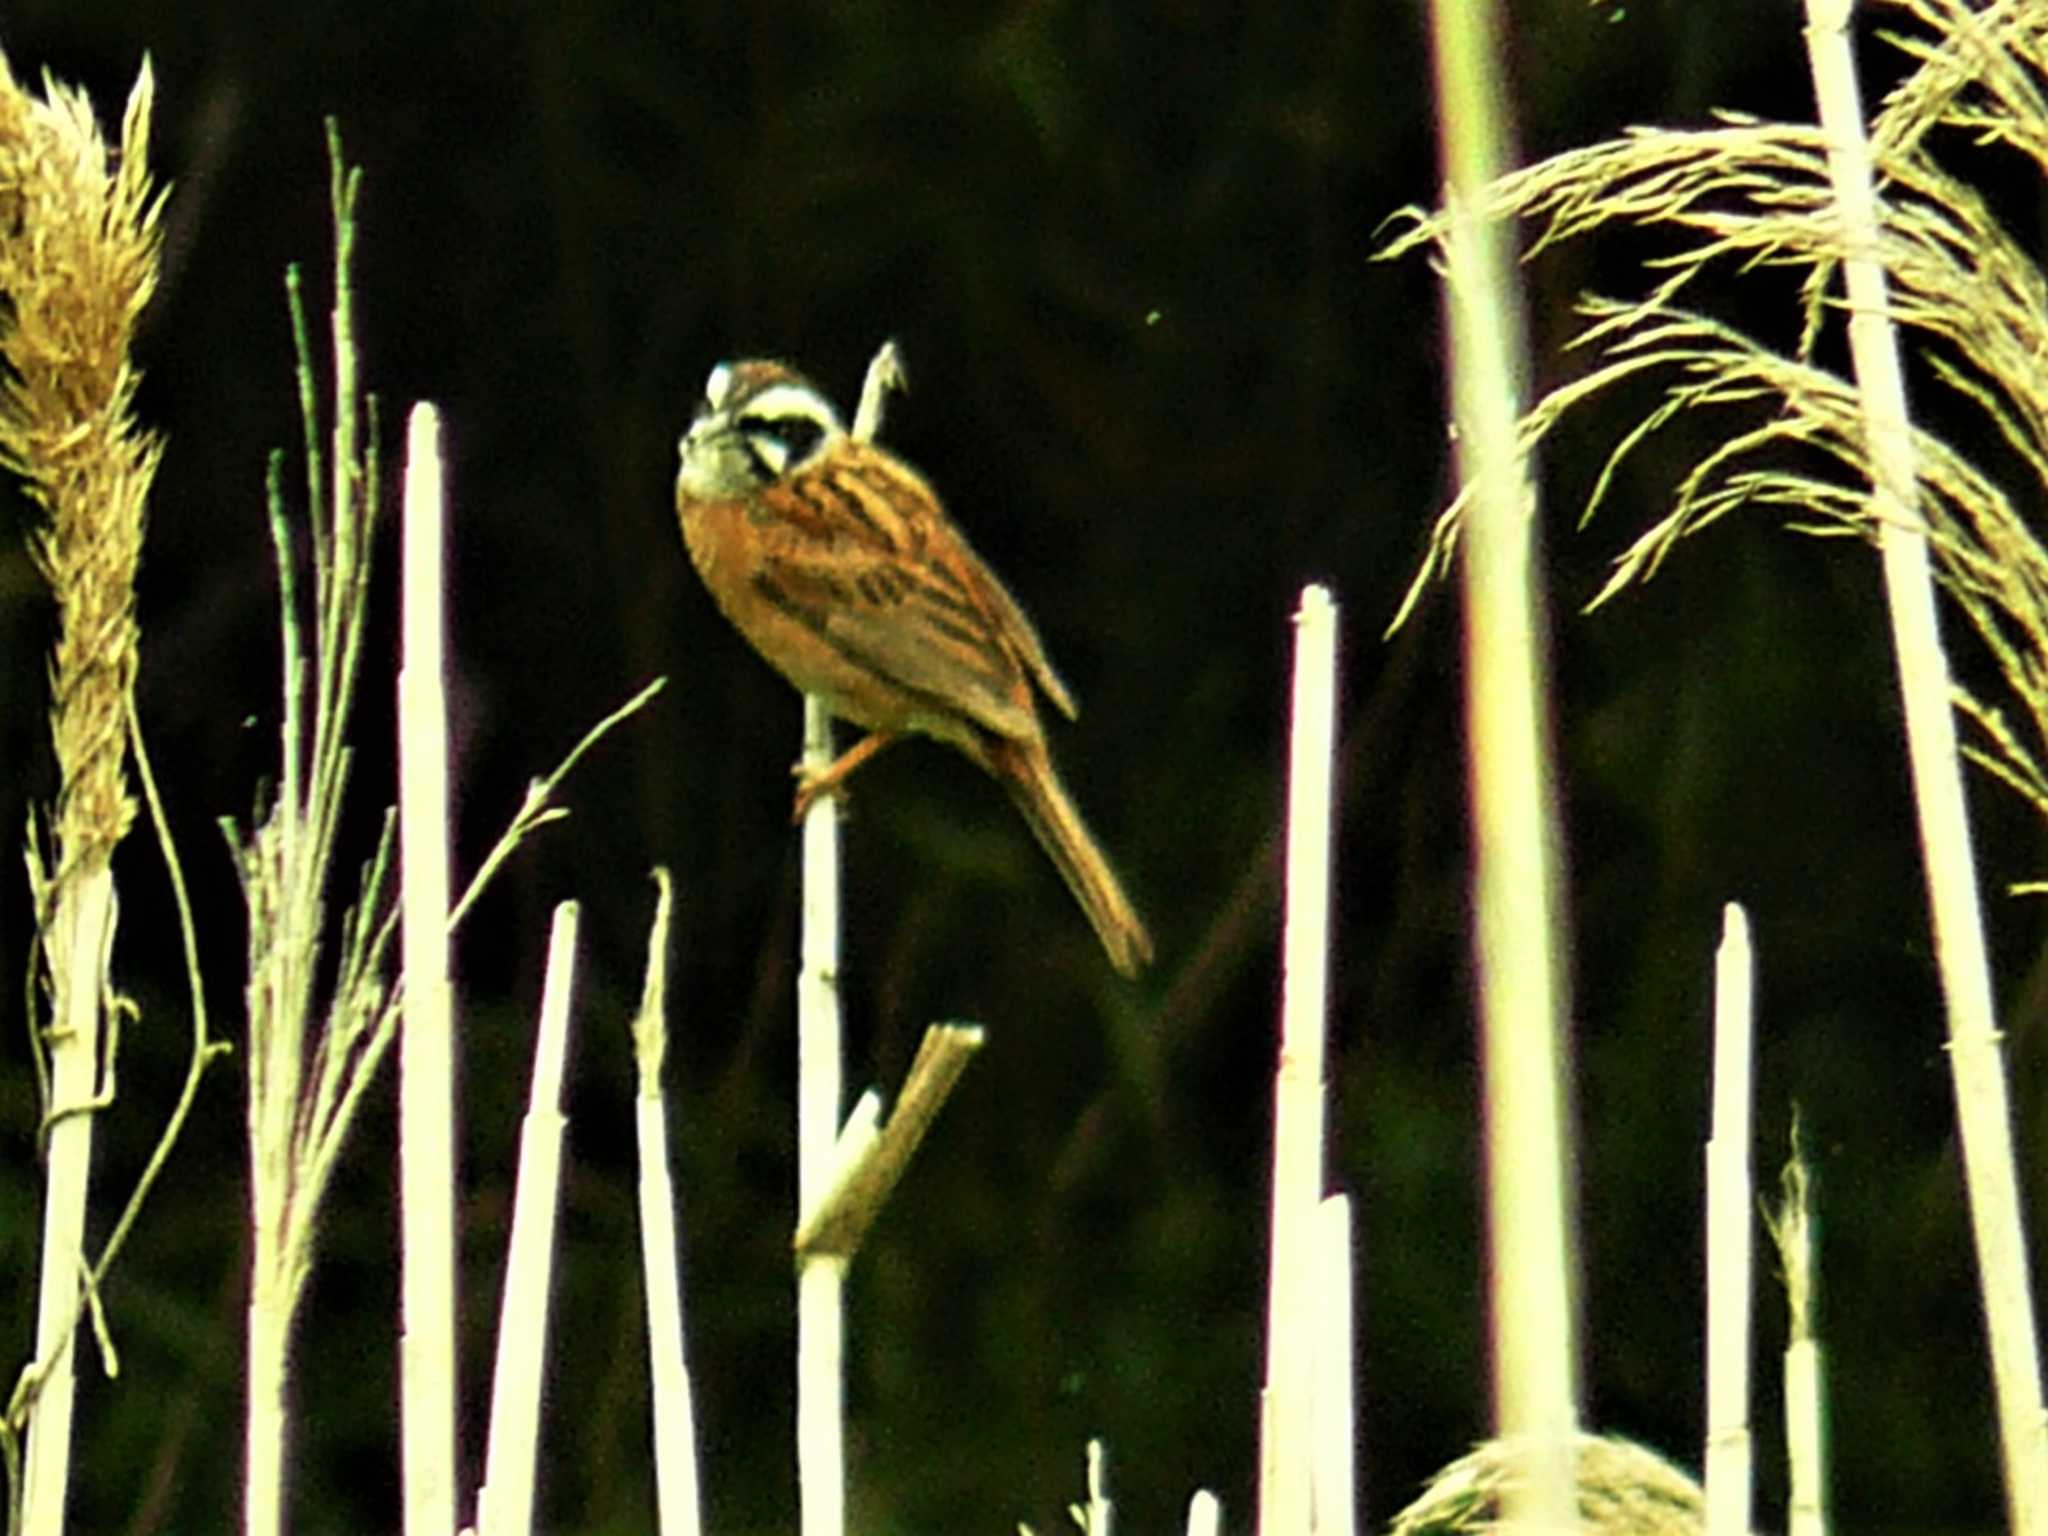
(810, 784)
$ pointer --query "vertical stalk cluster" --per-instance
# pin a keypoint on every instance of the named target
(1897, 251)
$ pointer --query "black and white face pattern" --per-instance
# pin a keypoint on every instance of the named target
(760, 422)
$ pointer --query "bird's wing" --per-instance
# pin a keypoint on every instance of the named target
(1019, 631)
(863, 561)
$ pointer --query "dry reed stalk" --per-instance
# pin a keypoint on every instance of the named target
(1792, 1229)
(505, 1501)
(1730, 1214)
(426, 1042)
(821, 1277)
(1926, 689)
(1335, 1388)
(1294, 1321)
(79, 248)
(296, 1128)
(675, 1420)
(1517, 901)
(845, 1170)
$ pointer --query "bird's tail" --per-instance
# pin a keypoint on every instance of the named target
(1025, 768)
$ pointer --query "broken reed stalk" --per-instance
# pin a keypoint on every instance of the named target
(1098, 1516)
(1792, 1231)
(1730, 1197)
(1334, 1384)
(844, 1171)
(675, 1429)
(426, 1045)
(1516, 893)
(821, 1277)
(79, 248)
(505, 1502)
(1294, 1327)
(873, 1157)
(1927, 691)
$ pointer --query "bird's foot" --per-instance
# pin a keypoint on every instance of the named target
(831, 779)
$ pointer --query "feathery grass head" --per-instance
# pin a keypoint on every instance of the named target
(1969, 295)
(1624, 1490)
(79, 250)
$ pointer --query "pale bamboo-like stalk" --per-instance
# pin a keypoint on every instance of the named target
(1516, 896)
(820, 1403)
(1806, 1510)
(1205, 1514)
(821, 1278)
(79, 942)
(1293, 1327)
(426, 1046)
(1927, 692)
(505, 1502)
(273, 1298)
(675, 1427)
(1730, 1198)
(1098, 1516)
(1792, 1229)
(1336, 1416)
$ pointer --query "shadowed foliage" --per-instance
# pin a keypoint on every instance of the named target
(1160, 384)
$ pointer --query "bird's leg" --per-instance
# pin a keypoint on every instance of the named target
(827, 780)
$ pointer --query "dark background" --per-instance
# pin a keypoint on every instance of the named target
(1124, 249)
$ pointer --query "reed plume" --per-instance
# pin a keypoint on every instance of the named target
(79, 247)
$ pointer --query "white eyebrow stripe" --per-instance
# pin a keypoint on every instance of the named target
(794, 400)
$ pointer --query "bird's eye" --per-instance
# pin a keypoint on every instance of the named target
(799, 434)
(778, 443)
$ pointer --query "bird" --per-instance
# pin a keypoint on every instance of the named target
(839, 564)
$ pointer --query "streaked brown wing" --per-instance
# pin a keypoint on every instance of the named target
(934, 541)
(1017, 629)
(865, 561)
